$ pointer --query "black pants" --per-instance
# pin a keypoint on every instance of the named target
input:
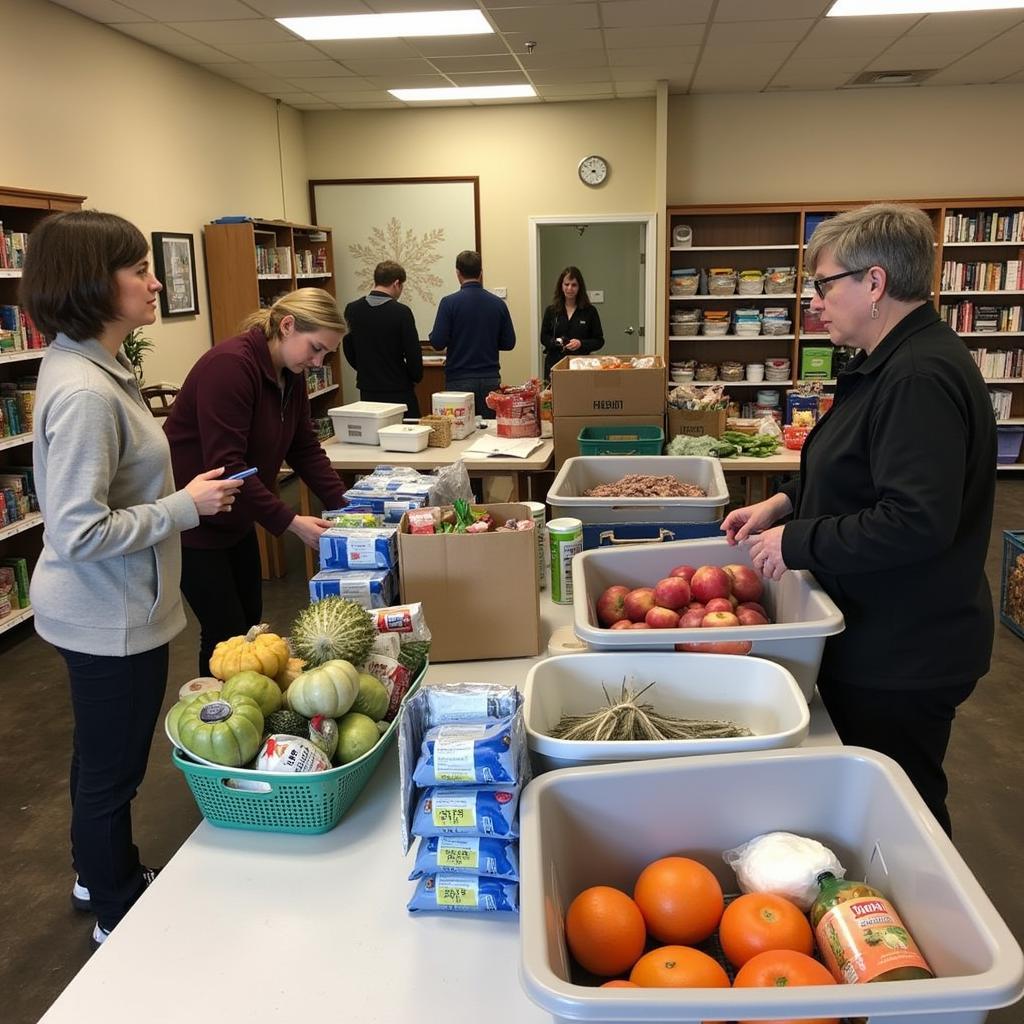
(116, 703)
(481, 387)
(406, 398)
(910, 726)
(224, 588)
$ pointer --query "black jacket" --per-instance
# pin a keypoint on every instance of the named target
(382, 345)
(585, 324)
(893, 511)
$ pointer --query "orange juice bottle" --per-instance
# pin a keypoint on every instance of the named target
(860, 936)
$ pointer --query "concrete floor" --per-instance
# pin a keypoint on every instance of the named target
(44, 942)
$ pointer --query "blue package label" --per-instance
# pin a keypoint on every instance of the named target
(359, 548)
(371, 588)
(468, 855)
(467, 811)
(465, 894)
(486, 753)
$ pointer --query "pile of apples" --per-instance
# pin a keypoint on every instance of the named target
(708, 596)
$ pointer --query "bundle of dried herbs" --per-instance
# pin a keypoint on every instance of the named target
(627, 719)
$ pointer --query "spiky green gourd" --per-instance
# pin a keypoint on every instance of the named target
(287, 723)
(413, 653)
(333, 628)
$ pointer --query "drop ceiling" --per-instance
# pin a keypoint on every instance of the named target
(594, 49)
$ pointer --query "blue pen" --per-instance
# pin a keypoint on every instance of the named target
(244, 474)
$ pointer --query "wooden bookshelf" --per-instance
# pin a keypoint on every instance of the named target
(21, 209)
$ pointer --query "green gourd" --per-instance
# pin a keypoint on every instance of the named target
(373, 698)
(225, 731)
(329, 690)
(253, 684)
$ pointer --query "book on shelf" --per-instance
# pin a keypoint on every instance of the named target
(24, 334)
(999, 363)
(14, 578)
(13, 245)
(983, 275)
(984, 226)
(1002, 403)
(968, 318)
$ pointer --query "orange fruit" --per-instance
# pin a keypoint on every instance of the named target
(678, 967)
(784, 968)
(619, 983)
(605, 931)
(760, 921)
(680, 899)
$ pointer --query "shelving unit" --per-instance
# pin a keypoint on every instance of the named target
(248, 266)
(760, 236)
(20, 211)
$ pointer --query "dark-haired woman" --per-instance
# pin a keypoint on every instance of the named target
(105, 589)
(571, 324)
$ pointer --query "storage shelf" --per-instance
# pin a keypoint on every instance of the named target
(15, 440)
(986, 245)
(22, 615)
(729, 248)
(815, 380)
(30, 521)
(816, 335)
(1010, 465)
(274, 277)
(737, 383)
(731, 337)
(1013, 421)
(991, 334)
(10, 273)
(22, 354)
(311, 277)
(763, 297)
(1004, 380)
(991, 292)
(324, 391)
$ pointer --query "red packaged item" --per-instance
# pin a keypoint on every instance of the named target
(517, 409)
(424, 520)
(794, 437)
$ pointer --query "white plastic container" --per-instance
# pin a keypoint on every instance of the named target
(459, 407)
(358, 422)
(404, 437)
(603, 825)
(751, 692)
(802, 614)
(566, 497)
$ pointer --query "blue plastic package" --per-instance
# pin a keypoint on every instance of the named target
(486, 753)
(465, 894)
(467, 811)
(371, 588)
(359, 548)
(475, 855)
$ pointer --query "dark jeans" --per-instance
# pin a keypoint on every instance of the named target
(116, 703)
(224, 588)
(481, 388)
(406, 398)
(910, 726)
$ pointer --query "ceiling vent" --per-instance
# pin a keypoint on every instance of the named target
(890, 78)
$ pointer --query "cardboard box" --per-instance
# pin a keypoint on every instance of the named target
(479, 591)
(608, 392)
(566, 430)
(371, 588)
(458, 406)
(695, 422)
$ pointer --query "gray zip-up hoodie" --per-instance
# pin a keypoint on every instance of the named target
(107, 581)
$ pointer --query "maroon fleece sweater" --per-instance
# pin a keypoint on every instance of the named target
(232, 412)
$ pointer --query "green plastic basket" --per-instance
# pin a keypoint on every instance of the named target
(624, 440)
(305, 804)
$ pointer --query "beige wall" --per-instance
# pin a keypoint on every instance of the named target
(145, 135)
(855, 144)
(525, 157)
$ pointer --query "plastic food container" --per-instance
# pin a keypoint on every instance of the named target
(748, 691)
(603, 825)
(404, 437)
(751, 282)
(566, 497)
(359, 422)
(802, 614)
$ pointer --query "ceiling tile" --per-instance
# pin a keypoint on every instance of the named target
(459, 46)
(291, 97)
(403, 6)
(309, 8)
(551, 44)
(106, 11)
(322, 86)
(237, 69)
(152, 33)
(580, 97)
(975, 27)
(742, 53)
(812, 67)
(366, 49)
(490, 78)
(196, 53)
(911, 59)
(637, 13)
(497, 5)
(555, 16)
(677, 72)
(640, 38)
(409, 82)
(271, 51)
(731, 33)
(892, 26)
(217, 33)
(811, 79)
(302, 68)
(344, 95)
(563, 76)
(577, 89)
(256, 82)
(315, 106)
(564, 59)
(751, 10)
(194, 10)
(667, 57)
(731, 80)
(863, 48)
(1018, 77)
(379, 68)
(463, 65)
(640, 85)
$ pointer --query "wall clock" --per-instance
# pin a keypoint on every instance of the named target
(593, 170)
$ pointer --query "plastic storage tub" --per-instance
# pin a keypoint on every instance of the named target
(621, 440)
(602, 825)
(1009, 439)
(802, 614)
(404, 437)
(748, 691)
(566, 497)
(358, 422)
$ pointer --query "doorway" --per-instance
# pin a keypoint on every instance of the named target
(611, 253)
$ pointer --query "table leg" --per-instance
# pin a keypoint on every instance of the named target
(304, 510)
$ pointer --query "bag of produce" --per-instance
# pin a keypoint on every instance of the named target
(463, 894)
(478, 855)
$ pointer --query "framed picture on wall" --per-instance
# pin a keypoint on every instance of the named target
(421, 223)
(174, 263)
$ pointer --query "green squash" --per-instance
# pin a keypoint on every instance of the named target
(329, 690)
(225, 731)
(357, 734)
(253, 684)
(373, 698)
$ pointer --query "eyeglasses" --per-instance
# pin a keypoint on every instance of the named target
(820, 282)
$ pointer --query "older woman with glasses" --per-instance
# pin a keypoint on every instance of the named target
(892, 510)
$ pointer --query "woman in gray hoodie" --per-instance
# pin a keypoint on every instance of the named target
(105, 590)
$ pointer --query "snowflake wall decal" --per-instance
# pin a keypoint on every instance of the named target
(416, 254)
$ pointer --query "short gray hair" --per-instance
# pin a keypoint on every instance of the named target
(898, 238)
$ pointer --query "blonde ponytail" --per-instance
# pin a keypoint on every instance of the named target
(313, 309)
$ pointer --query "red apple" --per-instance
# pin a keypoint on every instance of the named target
(672, 592)
(695, 606)
(710, 581)
(719, 620)
(748, 617)
(746, 584)
(686, 571)
(639, 625)
(692, 619)
(718, 604)
(621, 624)
(637, 603)
(722, 647)
(609, 605)
(754, 607)
(662, 618)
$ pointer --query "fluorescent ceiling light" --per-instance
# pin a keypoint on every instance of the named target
(475, 92)
(852, 8)
(390, 26)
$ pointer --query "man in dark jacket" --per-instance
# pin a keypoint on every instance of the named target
(382, 345)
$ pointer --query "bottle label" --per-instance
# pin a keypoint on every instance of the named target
(864, 938)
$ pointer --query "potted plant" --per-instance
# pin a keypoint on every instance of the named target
(135, 346)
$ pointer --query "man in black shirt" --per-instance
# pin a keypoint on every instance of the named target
(382, 345)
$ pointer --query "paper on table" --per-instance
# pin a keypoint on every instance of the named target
(504, 447)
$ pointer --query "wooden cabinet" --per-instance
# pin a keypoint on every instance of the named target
(21, 534)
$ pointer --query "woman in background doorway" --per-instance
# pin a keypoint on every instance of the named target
(571, 324)
(244, 404)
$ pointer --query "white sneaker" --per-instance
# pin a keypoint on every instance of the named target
(99, 935)
(80, 898)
